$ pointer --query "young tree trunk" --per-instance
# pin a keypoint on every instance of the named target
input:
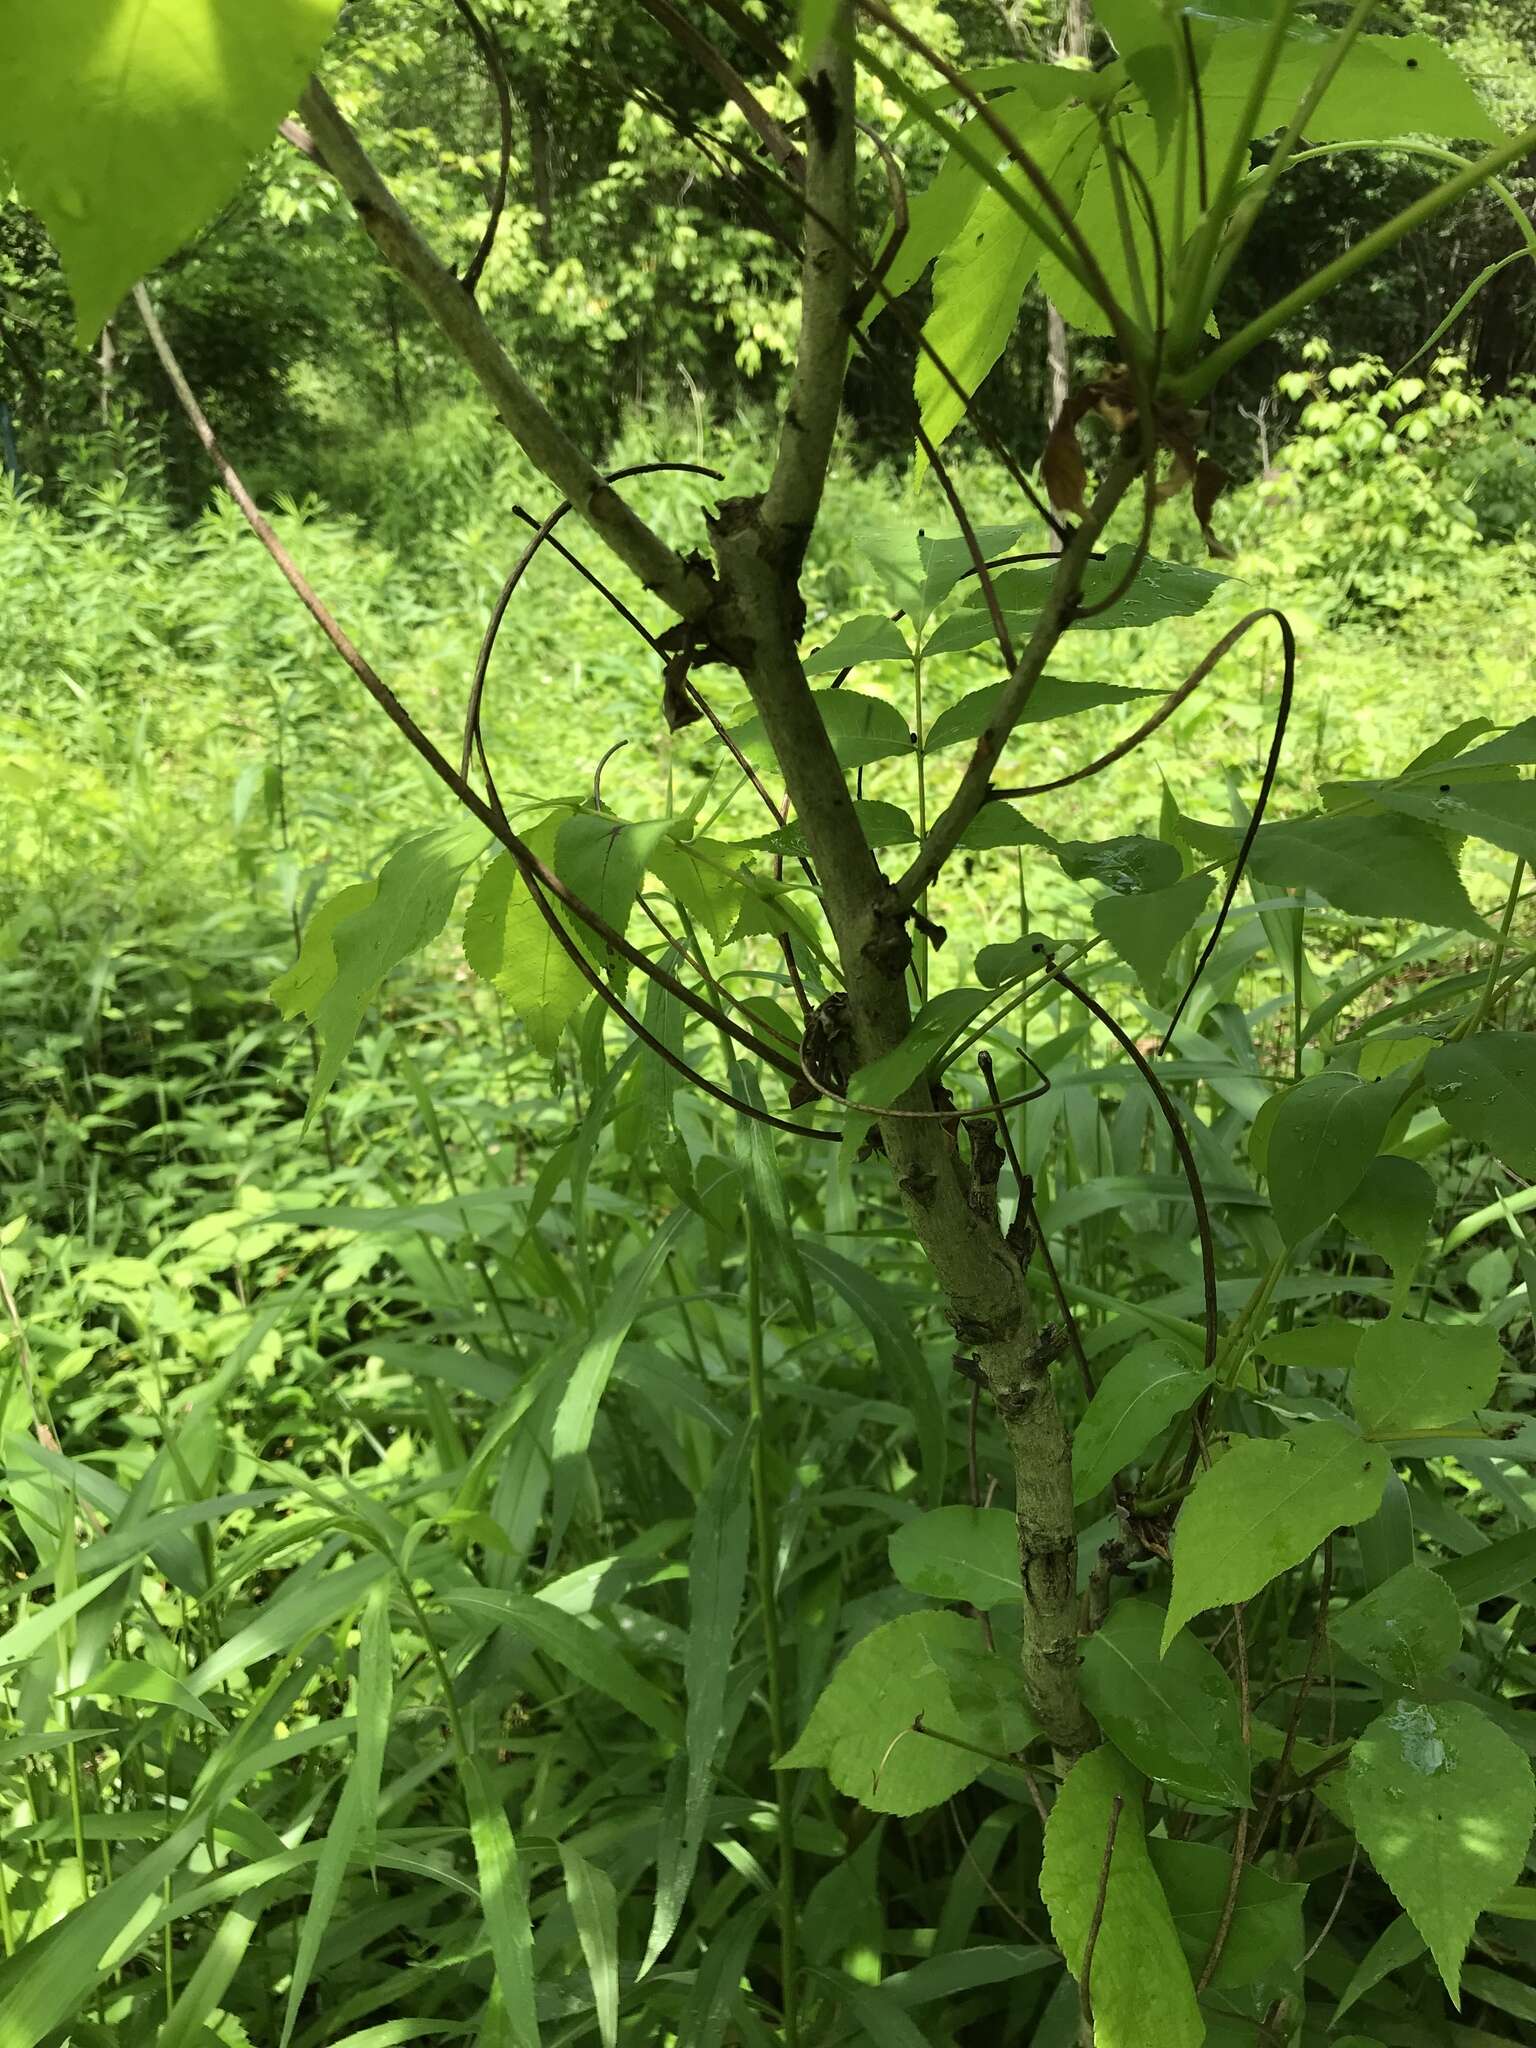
(1074, 43)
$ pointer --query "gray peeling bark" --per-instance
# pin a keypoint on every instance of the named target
(950, 1201)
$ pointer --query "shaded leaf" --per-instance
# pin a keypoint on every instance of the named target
(587, 1651)
(1176, 1716)
(939, 1020)
(1136, 1400)
(1266, 1926)
(1052, 697)
(1324, 1134)
(870, 638)
(1405, 1630)
(959, 1553)
(1485, 1088)
(1144, 929)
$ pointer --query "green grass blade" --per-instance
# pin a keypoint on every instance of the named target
(503, 1901)
(595, 1909)
(589, 1654)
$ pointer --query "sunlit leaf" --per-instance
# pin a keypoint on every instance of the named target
(1405, 1629)
(1141, 1985)
(1443, 1805)
(129, 123)
(1412, 1375)
(1051, 698)
(1263, 1507)
(1325, 1133)
(959, 1553)
(1485, 1088)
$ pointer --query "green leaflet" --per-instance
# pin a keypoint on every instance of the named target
(939, 1021)
(883, 825)
(1485, 1088)
(1051, 698)
(1411, 1375)
(861, 1729)
(1371, 867)
(861, 728)
(1387, 86)
(126, 1679)
(1503, 813)
(338, 976)
(508, 942)
(1443, 1804)
(1161, 590)
(1405, 1630)
(872, 637)
(603, 860)
(1262, 1508)
(1137, 1398)
(1324, 1134)
(1266, 1927)
(980, 279)
(1144, 929)
(702, 875)
(129, 123)
(1392, 1209)
(1141, 1985)
(918, 569)
(959, 1553)
(1176, 1716)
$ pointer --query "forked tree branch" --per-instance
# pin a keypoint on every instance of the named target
(681, 584)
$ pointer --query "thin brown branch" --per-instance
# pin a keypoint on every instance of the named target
(490, 53)
(488, 814)
(1181, 1145)
(717, 66)
(1293, 1722)
(1085, 1981)
(682, 584)
(1240, 1834)
(949, 827)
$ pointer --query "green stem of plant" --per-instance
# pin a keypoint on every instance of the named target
(766, 1524)
(1501, 947)
(1196, 382)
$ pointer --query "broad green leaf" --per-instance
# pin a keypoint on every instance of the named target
(1263, 1507)
(1405, 1630)
(508, 942)
(1485, 1088)
(1161, 590)
(980, 279)
(999, 824)
(1399, 1944)
(1014, 960)
(1144, 929)
(1325, 1133)
(1443, 1805)
(1130, 864)
(861, 1729)
(1387, 86)
(128, 124)
(985, 1688)
(595, 1909)
(410, 906)
(870, 638)
(959, 1553)
(503, 1899)
(918, 569)
(936, 1023)
(704, 877)
(126, 1679)
(862, 728)
(603, 860)
(1265, 1927)
(883, 825)
(1371, 867)
(1410, 1375)
(1503, 813)
(1050, 699)
(1176, 1717)
(1141, 1985)
(312, 974)
(356, 1813)
(1392, 1209)
(588, 1652)
(1136, 1400)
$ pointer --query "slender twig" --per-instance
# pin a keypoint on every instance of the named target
(1181, 1145)
(1338, 1904)
(1293, 1722)
(1084, 1982)
(489, 815)
(711, 60)
(490, 52)
(685, 586)
(1261, 804)
(1240, 1832)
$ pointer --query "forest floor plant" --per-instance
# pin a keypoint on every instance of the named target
(1127, 191)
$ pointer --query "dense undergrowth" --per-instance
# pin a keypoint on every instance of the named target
(294, 1607)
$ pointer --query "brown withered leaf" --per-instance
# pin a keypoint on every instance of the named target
(1062, 468)
(1209, 482)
